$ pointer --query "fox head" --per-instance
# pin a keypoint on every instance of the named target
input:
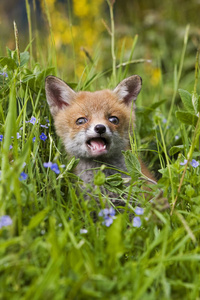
(93, 124)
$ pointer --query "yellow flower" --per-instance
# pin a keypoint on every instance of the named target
(155, 76)
(83, 29)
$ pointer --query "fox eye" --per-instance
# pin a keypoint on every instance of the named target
(81, 121)
(114, 120)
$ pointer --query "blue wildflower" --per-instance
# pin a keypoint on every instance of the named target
(43, 137)
(5, 221)
(137, 222)
(194, 163)
(32, 120)
(44, 126)
(1, 137)
(53, 166)
(23, 176)
(34, 138)
(83, 231)
(139, 210)
(183, 163)
(47, 164)
(10, 147)
(4, 74)
(108, 214)
(18, 135)
(164, 120)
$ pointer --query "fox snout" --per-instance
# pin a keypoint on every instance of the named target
(100, 128)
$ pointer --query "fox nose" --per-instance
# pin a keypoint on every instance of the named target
(100, 128)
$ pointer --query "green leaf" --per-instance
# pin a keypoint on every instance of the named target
(187, 118)
(114, 180)
(157, 104)
(195, 102)
(176, 149)
(24, 58)
(186, 98)
(132, 164)
(189, 191)
(72, 164)
(99, 178)
(115, 240)
(38, 218)
(9, 62)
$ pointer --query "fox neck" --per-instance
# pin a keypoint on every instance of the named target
(86, 167)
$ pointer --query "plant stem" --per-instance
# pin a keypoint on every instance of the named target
(196, 135)
(178, 76)
(112, 33)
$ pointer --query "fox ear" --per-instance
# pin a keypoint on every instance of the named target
(128, 89)
(58, 93)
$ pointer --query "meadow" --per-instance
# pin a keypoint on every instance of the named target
(51, 246)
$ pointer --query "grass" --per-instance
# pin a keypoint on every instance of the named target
(54, 249)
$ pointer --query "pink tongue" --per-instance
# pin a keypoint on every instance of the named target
(97, 144)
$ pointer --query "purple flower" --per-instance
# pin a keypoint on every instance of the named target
(83, 231)
(5, 221)
(32, 120)
(194, 163)
(34, 138)
(47, 164)
(44, 126)
(137, 222)
(183, 163)
(139, 210)
(108, 214)
(4, 74)
(1, 137)
(23, 176)
(53, 166)
(10, 147)
(18, 135)
(43, 137)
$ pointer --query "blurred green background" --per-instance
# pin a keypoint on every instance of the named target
(79, 30)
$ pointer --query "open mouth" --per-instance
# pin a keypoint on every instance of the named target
(98, 146)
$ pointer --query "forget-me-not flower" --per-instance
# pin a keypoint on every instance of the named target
(1, 137)
(53, 166)
(43, 136)
(194, 163)
(108, 214)
(83, 231)
(5, 221)
(32, 120)
(4, 74)
(23, 176)
(44, 126)
(139, 210)
(137, 222)
(18, 135)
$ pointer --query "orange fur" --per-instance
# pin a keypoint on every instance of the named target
(105, 118)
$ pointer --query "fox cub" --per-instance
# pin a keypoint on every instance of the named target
(94, 126)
